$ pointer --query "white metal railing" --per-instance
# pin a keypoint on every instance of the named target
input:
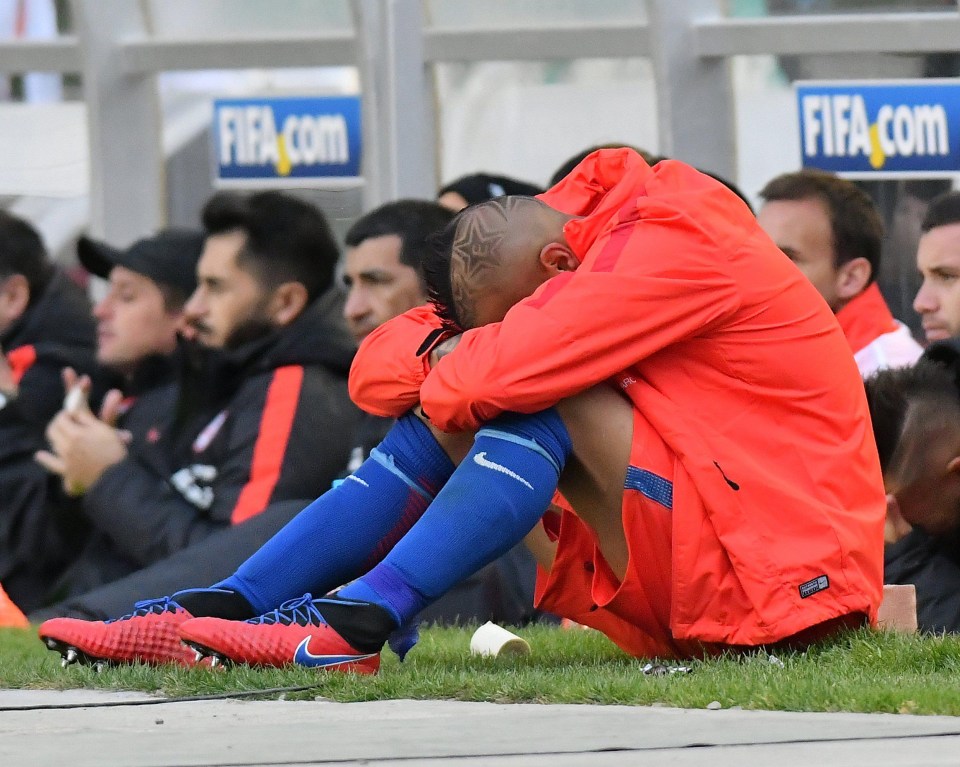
(688, 43)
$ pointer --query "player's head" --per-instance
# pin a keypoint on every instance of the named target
(938, 261)
(383, 265)
(916, 422)
(495, 254)
(828, 227)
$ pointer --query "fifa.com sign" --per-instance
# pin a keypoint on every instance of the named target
(286, 139)
(878, 129)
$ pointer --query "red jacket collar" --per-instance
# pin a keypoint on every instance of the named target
(865, 318)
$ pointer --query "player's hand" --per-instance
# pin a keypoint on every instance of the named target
(82, 448)
(442, 350)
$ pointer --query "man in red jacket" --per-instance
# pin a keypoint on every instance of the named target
(684, 387)
(744, 393)
(832, 231)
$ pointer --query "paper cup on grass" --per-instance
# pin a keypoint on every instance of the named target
(492, 640)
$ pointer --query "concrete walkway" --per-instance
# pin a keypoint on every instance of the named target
(85, 733)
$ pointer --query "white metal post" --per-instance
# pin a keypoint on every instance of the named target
(397, 108)
(694, 94)
(126, 155)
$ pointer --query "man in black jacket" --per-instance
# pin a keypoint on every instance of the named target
(45, 324)
(138, 320)
(262, 413)
(916, 421)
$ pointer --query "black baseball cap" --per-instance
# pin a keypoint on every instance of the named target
(168, 257)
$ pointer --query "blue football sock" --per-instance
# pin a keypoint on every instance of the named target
(493, 499)
(348, 529)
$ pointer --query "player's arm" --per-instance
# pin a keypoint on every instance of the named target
(393, 362)
(581, 328)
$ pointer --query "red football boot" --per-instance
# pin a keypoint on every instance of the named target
(147, 635)
(296, 634)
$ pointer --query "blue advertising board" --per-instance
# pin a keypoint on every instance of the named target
(880, 128)
(284, 140)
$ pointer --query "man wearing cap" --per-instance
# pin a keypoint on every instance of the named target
(137, 324)
(45, 325)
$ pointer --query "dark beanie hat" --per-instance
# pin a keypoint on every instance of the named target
(479, 187)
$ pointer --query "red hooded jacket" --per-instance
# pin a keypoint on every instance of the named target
(683, 302)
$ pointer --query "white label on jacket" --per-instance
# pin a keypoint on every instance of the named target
(193, 483)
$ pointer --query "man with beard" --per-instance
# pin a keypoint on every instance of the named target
(262, 413)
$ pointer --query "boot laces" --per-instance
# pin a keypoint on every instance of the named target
(147, 606)
(301, 610)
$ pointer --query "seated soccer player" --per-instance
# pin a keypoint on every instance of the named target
(632, 338)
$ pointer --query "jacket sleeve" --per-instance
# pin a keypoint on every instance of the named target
(640, 289)
(387, 371)
(289, 445)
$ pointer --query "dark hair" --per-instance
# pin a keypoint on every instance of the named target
(288, 240)
(890, 393)
(413, 221)
(22, 252)
(854, 220)
(572, 162)
(943, 210)
(436, 274)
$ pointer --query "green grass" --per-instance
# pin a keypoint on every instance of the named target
(859, 671)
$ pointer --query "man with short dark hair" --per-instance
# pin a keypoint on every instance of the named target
(45, 324)
(832, 231)
(382, 266)
(915, 414)
(938, 261)
(262, 413)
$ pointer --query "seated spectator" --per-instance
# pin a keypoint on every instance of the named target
(262, 413)
(938, 261)
(137, 324)
(479, 187)
(916, 420)
(832, 231)
(45, 325)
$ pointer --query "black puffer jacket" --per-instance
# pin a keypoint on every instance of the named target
(38, 534)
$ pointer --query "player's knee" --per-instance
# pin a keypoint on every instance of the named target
(543, 432)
